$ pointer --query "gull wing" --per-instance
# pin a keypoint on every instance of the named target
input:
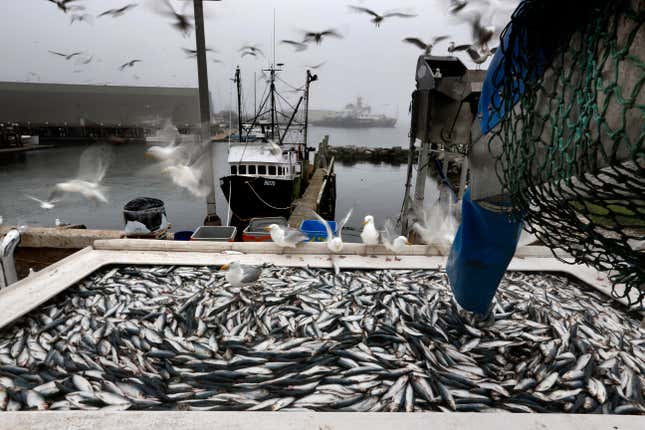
(389, 231)
(292, 235)
(250, 273)
(332, 32)
(364, 9)
(438, 39)
(416, 42)
(94, 163)
(330, 234)
(342, 223)
(398, 15)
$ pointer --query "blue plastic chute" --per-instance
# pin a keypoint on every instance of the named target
(483, 247)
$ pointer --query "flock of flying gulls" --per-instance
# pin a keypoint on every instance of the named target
(477, 13)
(186, 166)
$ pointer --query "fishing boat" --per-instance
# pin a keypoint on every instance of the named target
(268, 158)
(355, 115)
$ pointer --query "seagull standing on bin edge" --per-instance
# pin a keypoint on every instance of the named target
(239, 276)
(393, 244)
(335, 244)
(369, 235)
(285, 237)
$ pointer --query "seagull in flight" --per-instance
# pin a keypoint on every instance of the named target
(317, 37)
(128, 64)
(44, 204)
(377, 19)
(182, 20)
(427, 47)
(335, 243)
(478, 57)
(115, 13)
(272, 147)
(481, 34)
(93, 166)
(437, 225)
(63, 4)
(252, 50)
(66, 56)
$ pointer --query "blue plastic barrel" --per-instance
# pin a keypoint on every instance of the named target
(183, 235)
(315, 229)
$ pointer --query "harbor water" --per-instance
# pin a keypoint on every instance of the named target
(368, 188)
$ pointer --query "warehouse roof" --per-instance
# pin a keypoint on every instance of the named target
(58, 104)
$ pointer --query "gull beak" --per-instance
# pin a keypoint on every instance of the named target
(267, 228)
(224, 267)
(365, 222)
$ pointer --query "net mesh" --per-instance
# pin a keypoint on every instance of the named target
(569, 142)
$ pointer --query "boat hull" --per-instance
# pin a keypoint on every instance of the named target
(354, 123)
(252, 197)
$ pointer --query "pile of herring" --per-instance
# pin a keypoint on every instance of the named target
(181, 338)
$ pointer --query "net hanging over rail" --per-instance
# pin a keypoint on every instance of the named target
(566, 126)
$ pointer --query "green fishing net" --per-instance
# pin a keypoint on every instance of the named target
(569, 141)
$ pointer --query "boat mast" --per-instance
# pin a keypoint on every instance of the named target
(310, 78)
(272, 89)
(239, 101)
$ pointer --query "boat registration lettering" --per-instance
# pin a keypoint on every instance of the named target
(269, 183)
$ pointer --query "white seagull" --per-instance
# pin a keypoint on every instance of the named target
(394, 244)
(239, 276)
(273, 148)
(437, 225)
(285, 237)
(44, 204)
(335, 243)
(189, 177)
(93, 166)
(369, 235)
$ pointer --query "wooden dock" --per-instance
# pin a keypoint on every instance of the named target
(320, 195)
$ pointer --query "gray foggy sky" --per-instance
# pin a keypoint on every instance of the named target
(370, 62)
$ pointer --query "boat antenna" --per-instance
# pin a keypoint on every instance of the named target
(273, 37)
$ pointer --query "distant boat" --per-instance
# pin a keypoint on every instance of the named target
(355, 115)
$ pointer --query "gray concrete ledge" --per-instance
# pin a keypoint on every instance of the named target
(311, 421)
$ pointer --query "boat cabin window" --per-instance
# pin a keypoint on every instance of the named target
(262, 170)
(242, 169)
(272, 170)
(252, 170)
(233, 170)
